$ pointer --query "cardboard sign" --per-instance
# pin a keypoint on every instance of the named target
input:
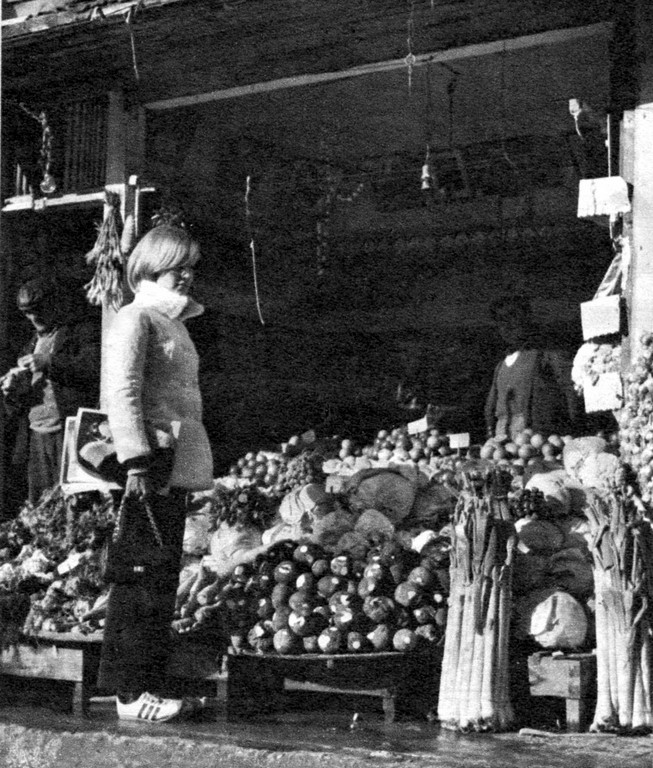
(600, 317)
(603, 197)
(459, 440)
(421, 425)
(604, 394)
(70, 563)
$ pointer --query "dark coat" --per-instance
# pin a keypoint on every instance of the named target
(553, 406)
(74, 372)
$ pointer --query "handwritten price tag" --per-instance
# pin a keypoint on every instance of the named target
(605, 394)
(459, 440)
(421, 425)
(69, 564)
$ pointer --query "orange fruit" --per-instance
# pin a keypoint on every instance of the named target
(556, 441)
(537, 440)
(526, 451)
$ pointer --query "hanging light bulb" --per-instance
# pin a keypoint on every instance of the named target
(48, 185)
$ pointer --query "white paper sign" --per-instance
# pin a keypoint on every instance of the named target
(70, 563)
(602, 197)
(459, 440)
(600, 317)
(605, 394)
(421, 425)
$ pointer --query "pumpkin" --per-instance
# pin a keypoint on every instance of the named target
(330, 640)
(358, 643)
(408, 594)
(280, 595)
(302, 603)
(429, 632)
(284, 641)
(286, 572)
(405, 640)
(320, 568)
(378, 608)
(280, 618)
(381, 637)
(328, 585)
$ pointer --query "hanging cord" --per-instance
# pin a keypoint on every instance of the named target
(504, 120)
(410, 57)
(252, 247)
(451, 90)
(129, 19)
(426, 177)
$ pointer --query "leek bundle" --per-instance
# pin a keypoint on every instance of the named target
(474, 684)
(622, 548)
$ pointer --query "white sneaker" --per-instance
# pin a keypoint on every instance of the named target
(149, 708)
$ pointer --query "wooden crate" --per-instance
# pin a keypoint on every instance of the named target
(568, 676)
(72, 662)
(406, 683)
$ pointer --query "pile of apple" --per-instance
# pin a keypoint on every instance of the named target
(528, 448)
(636, 419)
(398, 445)
(277, 472)
(299, 598)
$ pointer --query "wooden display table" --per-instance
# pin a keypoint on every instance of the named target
(569, 676)
(69, 660)
(405, 682)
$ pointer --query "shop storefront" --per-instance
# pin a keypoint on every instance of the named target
(360, 209)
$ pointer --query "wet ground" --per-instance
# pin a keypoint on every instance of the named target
(310, 733)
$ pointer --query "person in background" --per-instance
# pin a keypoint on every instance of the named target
(151, 388)
(532, 386)
(57, 373)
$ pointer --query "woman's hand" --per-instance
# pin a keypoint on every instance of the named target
(138, 486)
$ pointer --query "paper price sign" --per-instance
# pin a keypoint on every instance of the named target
(459, 440)
(604, 394)
(421, 425)
(600, 317)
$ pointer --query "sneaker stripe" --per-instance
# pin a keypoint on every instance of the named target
(141, 711)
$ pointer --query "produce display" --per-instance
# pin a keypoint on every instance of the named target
(301, 598)
(636, 419)
(475, 676)
(622, 548)
(329, 547)
(50, 577)
(593, 360)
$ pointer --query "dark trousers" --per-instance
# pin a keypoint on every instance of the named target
(44, 463)
(137, 632)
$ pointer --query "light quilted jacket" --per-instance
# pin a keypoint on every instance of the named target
(152, 382)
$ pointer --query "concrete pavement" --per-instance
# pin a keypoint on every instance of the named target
(308, 736)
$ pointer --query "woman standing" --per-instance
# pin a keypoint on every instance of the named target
(154, 409)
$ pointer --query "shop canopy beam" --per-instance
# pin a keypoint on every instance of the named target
(443, 57)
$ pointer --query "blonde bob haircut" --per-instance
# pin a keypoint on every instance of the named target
(162, 248)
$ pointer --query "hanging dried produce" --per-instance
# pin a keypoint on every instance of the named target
(622, 548)
(107, 257)
(474, 684)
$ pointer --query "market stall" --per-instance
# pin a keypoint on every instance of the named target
(352, 568)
